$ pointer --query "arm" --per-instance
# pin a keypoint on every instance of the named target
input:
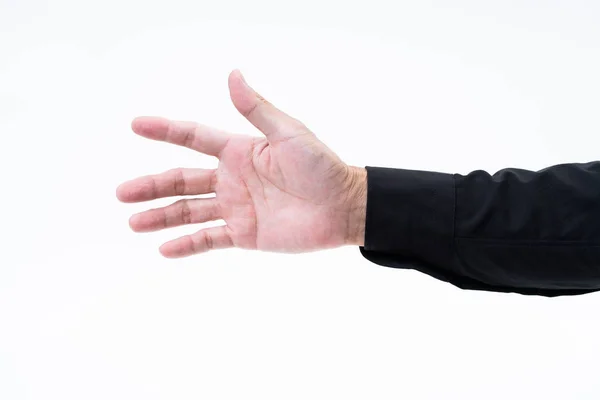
(515, 231)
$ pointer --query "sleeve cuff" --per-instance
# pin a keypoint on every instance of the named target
(410, 213)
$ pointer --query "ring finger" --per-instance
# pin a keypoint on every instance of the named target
(182, 212)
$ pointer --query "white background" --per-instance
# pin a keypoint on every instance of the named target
(90, 310)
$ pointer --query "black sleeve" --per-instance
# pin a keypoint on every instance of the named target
(533, 233)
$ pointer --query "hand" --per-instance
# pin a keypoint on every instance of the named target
(286, 192)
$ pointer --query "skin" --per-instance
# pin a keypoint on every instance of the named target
(285, 192)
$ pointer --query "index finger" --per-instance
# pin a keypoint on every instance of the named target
(202, 138)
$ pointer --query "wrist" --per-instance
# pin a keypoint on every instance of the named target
(357, 203)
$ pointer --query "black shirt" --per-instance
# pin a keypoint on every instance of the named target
(533, 233)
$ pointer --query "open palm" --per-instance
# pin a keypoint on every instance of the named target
(286, 192)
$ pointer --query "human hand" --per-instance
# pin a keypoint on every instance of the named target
(286, 192)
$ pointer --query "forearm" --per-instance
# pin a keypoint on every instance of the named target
(518, 231)
(357, 201)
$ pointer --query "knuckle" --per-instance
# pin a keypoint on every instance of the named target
(178, 181)
(213, 179)
(185, 213)
(208, 241)
(188, 138)
(192, 246)
(164, 218)
(251, 110)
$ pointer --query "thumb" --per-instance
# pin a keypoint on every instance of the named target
(274, 123)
